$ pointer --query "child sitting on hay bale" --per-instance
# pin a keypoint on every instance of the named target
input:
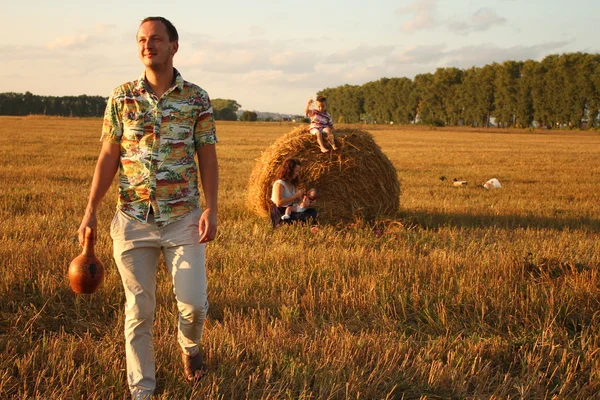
(321, 123)
(309, 199)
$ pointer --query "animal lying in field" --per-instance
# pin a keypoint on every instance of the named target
(460, 183)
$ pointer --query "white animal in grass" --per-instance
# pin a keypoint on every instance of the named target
(492, 184)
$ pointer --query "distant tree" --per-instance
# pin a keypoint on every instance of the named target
(506, 85)
(552, 94)
(405, 106)
(561, 90)
(225, 114)
(486, 93)
(581, 87)
(593, 104)
(225, 109)
(524, 112)
(344, 101)
(220, 104)
(477, 95)
(376, 106)
(539, 96)
(424, 95)
(446, 88)
(468, 97)
(388, 100)
(28, 103)
(249, 116)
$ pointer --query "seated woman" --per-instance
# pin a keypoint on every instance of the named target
(284, 194)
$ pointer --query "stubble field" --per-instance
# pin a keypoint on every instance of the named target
(467, 294)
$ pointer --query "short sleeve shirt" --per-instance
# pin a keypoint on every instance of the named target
(319, 119)
(158, 139)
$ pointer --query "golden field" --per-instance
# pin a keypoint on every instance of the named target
(468, 294)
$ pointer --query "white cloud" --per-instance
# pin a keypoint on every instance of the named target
(480, 55)
(230, 60)
(251, 55)
(460, 27)
(273, 63)
(69, 42)
(485, 18)
(481, 20)
(362, 74)
(358, 54)
(423, 15)
(264, 77)
(217, 57)
(195, 59)
(95, 35)
(100, 29)
(420, 59)
(293, 61)
(418, 55)
(25, 53)
(256, 30)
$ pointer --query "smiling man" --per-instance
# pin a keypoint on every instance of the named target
(153, 128)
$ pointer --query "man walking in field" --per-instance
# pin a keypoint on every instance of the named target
(153, 127)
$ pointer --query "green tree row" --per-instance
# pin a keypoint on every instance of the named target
(559, 91)
(68, 106)
(84, 106)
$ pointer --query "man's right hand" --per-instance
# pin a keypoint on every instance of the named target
(88, 220)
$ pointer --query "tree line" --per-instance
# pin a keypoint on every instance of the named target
(66, 106)
(559, 91)
(84, 106)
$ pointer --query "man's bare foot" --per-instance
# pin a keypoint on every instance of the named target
(324, 150)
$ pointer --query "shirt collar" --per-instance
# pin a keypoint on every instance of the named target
(143, 86)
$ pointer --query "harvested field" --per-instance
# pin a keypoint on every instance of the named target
(468, 293)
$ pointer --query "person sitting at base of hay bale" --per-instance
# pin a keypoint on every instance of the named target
(321, 123)
(308, 200)
(284, 194)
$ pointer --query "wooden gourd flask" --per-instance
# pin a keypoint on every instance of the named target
(86, 271)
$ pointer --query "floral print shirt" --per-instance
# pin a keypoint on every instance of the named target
(158, 140)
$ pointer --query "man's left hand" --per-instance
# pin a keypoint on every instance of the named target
(208, 226)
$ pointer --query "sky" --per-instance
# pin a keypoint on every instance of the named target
(273, 55)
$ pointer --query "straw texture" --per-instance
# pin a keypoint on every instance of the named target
(356, 182)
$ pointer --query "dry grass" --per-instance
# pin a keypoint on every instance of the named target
(470, 294)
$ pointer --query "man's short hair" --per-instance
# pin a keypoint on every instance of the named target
(321, 99)
(171, 31)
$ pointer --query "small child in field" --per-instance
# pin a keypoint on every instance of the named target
(321, 123)
(309, 199)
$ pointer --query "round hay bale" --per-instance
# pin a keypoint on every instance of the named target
(356, 182)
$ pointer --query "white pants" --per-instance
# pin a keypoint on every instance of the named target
(137, 247)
